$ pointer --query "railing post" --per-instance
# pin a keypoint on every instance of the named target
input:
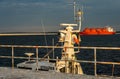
(37, 57)
(95, 64)
(113, 70)
(53, 47)
(12, 57)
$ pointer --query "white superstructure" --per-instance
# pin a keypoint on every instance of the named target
(67, 63)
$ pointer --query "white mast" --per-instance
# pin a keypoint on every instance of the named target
(79, 16)
(68, 54)
(68, 62)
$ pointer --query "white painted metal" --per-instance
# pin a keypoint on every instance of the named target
(68, 51)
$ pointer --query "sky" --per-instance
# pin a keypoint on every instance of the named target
(46, 15)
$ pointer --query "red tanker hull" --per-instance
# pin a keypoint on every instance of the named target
(96, 31)
(92, 33)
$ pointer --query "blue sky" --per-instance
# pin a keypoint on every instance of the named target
(36, 15)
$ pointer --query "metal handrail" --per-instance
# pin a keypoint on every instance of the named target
(83, 47)
(95, 62)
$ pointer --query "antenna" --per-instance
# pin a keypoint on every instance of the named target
(70, 25)
(74, 7)
(79, 18)
(79, 15)
(44, 33)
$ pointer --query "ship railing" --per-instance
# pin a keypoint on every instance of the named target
(95, 62)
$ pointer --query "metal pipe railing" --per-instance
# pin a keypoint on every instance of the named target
(12, 57)
(37, 57)
(83, 47)
(95, 62)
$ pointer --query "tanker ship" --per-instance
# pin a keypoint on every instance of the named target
(98, 31)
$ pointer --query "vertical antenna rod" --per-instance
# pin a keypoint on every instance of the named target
(74, 6)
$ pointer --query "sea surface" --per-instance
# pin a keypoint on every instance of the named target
(42, 40)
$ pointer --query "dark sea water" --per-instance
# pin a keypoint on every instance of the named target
(40, 40)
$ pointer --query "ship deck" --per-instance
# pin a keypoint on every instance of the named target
(9, 73)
